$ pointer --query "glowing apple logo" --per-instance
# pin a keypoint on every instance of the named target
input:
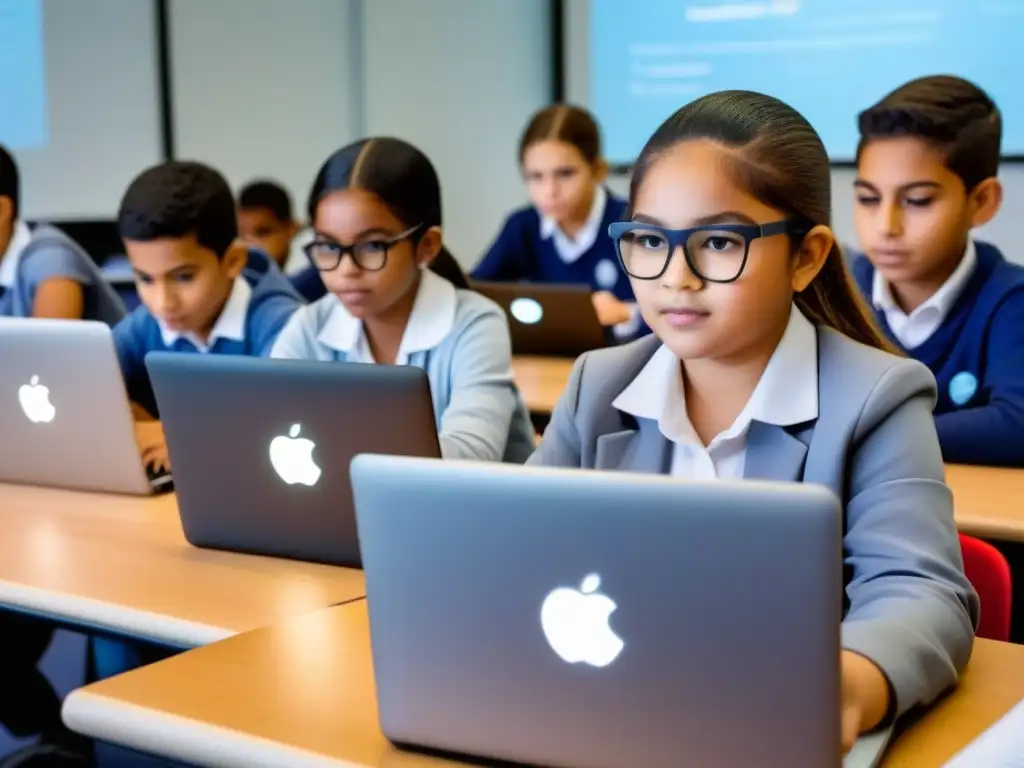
(291, 457)
(575, 623)
(526, 311)
(35, 402)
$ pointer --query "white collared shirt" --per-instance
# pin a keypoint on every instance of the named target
(20, 240)
(786, 394)
(430, 321)
(230, 324)
(912, 330)
(569, 249)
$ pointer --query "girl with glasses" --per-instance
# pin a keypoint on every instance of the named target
(397, 296)
(765, 363)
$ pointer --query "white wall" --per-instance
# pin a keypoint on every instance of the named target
(459, 78)
(264, 87)
(104, 119)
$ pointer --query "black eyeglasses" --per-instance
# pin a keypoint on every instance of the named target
(369, 253)
(716, 253)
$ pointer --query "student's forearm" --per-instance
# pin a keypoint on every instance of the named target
(990, 434)
(59, 298)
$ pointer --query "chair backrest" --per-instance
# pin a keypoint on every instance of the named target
(989, 573)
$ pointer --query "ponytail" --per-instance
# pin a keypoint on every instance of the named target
(446, 266)
(834, 300)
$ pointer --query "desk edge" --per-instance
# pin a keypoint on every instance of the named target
(180, 738)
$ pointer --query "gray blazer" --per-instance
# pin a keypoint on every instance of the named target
(910, 608)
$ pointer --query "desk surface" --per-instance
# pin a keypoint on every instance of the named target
(988, 501)
(541, 380)
(122, 563)
(301, 693)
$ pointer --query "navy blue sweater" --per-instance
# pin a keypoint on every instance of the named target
(272, 304)
(977, 356)
(520, 253)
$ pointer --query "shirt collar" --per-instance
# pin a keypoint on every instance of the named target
(572, 248)
(786, 394)
(230, 323)
(430, 321)
(20, 239)
(941, 301)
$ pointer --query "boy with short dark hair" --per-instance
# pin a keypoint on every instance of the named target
(202, 291)
(926, 176)
(43, 272)
(265, 219)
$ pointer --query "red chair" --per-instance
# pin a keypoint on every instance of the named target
(989, 573)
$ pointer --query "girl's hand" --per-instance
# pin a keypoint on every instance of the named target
(610, 311)
(865, 696)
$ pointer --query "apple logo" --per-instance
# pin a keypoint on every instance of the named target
(526, 311)
(575, 623)
(291, 457)
(35, 402)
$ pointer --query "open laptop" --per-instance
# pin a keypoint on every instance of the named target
(547, 319)
(599, 620)
(261, 448)
(65, 420)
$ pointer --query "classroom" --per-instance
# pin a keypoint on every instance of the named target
(541, 383)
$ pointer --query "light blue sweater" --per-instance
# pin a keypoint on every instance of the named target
(461, 340)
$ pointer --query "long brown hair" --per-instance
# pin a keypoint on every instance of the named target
(564, 122)
(777, 157)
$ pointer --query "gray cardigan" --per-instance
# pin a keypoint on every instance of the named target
(910, 610)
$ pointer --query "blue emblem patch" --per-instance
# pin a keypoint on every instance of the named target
(962, 387)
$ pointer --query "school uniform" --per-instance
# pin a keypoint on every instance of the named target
(828, 411)
(308, 283)
(35, 256)
(261, 301)
(460, 339)
(970, 333)
(532, 248)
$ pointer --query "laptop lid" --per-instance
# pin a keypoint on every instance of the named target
(65, 417)
(599, 620)
(547, 319)
(261, 448)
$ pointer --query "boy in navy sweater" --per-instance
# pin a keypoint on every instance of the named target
(926, 176)
(201, 290)
(265, 221)
(563, 236)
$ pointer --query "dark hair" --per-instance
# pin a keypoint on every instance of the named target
(268, 195)
(950, 113)
(177, 199)
(564, 122)
(402, 177)
(10, 186)
(774, 154)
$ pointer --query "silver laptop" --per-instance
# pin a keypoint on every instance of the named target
(547, 318)
(65, 420)
(601, 620)
(261, 448)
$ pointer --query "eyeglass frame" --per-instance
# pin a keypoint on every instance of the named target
(677, 238)
(350, 250)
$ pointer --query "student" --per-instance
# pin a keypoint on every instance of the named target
(202, 291)
(43, 272)
(562, 236)
(265, 221)
(764, 363)
(397, 296)
(926, 176)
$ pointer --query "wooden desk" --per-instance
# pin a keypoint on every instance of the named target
(541, 380)
(122, 563)
(301, 693)
(988, 501)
